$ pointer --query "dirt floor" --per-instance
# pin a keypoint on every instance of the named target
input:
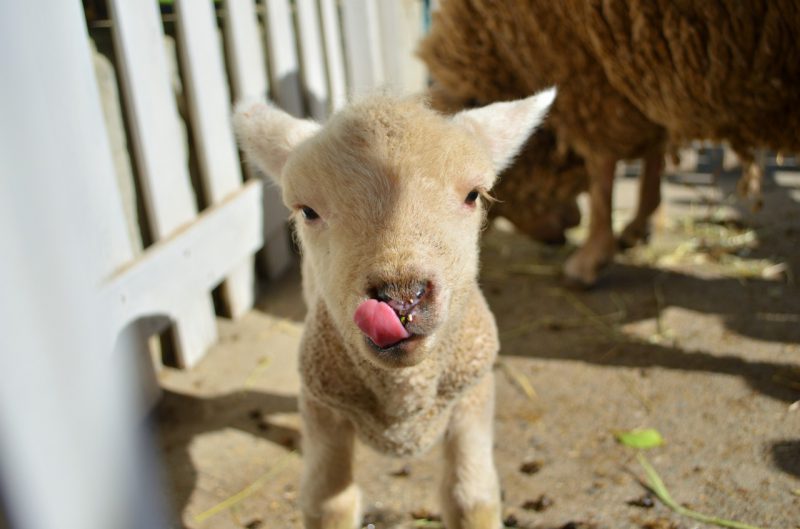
(696, 335)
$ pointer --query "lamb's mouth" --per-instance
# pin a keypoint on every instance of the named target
(405, 353)
(392, 330)
(399, 347)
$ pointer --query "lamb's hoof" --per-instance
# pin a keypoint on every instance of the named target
(483, 516)
(342, 511)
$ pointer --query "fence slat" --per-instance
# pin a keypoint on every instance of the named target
(284, 82)
(283, 60)
(401, 28)
(315, 84)
(111, 195)
(210, 110)
(334, 55)
(245, 52)
(362, 45)
(208, 98)
(68, 434)
(115, 125)
(249, 75)
(159, 152)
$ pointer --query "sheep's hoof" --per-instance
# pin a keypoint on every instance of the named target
(579, 272)
(582, 268)
(633, 236)
(574, 283)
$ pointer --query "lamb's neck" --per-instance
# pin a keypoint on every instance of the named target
(400, 390)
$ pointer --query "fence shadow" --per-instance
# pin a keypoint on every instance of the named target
(786, 456)
(179, 418)
(539, 319)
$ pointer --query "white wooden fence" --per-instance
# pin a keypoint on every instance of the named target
(123, 206)
(307, 55)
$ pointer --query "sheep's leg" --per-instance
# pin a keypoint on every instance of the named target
(752, 179)
(328, 496)
(638, 229)
(470, 489)
(597, 251)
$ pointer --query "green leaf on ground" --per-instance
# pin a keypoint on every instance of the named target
(640, 438)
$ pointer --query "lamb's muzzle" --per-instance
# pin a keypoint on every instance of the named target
(395, 315)
(380, 323)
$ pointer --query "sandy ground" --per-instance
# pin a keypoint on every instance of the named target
(696, 335)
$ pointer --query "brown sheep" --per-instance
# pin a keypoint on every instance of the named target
(399, 342)
(632, 75)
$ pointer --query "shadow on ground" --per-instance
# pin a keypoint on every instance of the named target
(179, 418)
(585, 326)
(786, 456)
(640, 316)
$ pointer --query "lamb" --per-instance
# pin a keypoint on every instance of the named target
(399, 342)
(633, 77)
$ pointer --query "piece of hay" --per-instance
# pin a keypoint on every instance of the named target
(247, 491)
(520, 380)
(262, 365)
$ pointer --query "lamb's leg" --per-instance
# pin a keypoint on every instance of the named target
(328, 496)
(638, 229)
(597, 251)
(470, 489)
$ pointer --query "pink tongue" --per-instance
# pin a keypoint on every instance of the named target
(377, 320)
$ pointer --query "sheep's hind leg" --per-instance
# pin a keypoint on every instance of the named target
(638, 229)
(752, 179)
(328, 496)
(470, 489)
(582, 267)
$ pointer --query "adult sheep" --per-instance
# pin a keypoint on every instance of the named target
(633, 75)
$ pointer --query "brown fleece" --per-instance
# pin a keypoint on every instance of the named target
(631, 74)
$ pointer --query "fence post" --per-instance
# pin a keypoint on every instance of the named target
(210, 110)
(68, 411)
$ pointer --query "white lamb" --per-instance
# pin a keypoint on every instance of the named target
(399, 342)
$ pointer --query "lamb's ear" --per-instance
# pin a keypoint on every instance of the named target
(268, 135)
(504, 127)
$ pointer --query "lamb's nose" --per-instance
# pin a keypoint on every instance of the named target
(402, 298)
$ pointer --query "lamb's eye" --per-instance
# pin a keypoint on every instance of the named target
(308, 213)
(472, 196)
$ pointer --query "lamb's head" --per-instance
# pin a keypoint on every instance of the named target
(387, 202)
